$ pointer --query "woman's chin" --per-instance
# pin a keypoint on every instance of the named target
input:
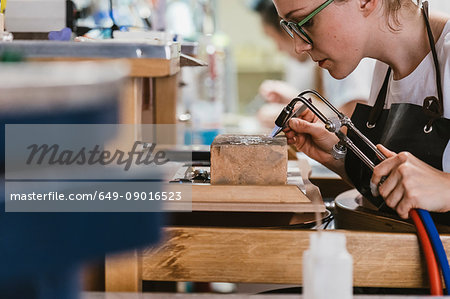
(337, 73)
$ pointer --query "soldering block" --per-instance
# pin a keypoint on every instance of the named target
(249, 160)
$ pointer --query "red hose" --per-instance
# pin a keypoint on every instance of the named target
(432, 266)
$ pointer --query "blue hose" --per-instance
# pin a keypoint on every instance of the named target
(436, 242)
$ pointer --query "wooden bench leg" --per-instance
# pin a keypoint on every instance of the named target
(123, 272)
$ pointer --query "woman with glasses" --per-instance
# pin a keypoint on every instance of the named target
(409, 104)
(302, 73)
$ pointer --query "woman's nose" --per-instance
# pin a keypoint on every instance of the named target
(300, 45)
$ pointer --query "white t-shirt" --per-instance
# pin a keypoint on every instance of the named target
(439, 5)
(420, 84)
(300, 75)
(355, 86)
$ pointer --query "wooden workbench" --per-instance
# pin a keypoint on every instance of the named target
(151, 93)
(265, 256)
(94, 295)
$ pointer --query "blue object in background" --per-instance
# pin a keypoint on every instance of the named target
(204, 137)
(40, 253)
(64, 34)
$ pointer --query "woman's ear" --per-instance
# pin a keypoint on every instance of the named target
(367, 6)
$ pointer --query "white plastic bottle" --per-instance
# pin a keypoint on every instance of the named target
(327, 267)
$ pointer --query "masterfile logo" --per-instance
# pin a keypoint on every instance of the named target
(94, 168)
(46, 154)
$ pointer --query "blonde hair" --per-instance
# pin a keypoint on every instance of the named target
(391, 9)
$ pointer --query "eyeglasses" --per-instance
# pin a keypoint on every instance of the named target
(291, 27)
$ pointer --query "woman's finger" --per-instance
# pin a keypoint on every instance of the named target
(290, 134)
(385, 151)
(389, 184)
(301, 126)
(387, 166)
(404, 207)
(395, 196)
(308, 116)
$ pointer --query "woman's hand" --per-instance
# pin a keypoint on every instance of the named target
(275, 91)
(267, 114)
(309, 135)
(411, 184)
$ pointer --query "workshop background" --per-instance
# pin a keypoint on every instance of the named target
(230, 57)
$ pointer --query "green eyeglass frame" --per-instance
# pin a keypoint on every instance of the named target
(291, 27)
